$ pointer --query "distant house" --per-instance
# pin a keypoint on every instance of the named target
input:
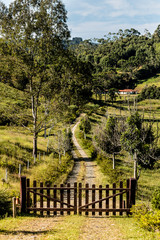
(127, 91)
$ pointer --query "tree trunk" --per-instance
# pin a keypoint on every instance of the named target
(35, 145)
(34, 101)
(113, 160)
(45, 131)
(135, 168)
(135, 164)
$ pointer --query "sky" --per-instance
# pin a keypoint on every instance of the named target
(91, 19)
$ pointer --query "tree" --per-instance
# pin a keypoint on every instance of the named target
(112, 94)
(108, 137)
(85, 125)
(139, 140)
(35, 32)
(113, 134)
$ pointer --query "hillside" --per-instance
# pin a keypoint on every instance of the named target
(155, 80)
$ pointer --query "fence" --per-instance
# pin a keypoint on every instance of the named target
(46, 200)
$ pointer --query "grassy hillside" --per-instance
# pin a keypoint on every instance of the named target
(150, 81)
(16, 144)
(123, 106)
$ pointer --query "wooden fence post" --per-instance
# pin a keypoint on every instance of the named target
(132, 194)
(23, 194)
(14, 207)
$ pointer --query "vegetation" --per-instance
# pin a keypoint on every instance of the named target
(151, 92)
(45, 84)
(5, 203)
(121, 59)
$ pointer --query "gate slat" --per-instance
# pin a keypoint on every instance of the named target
(61, 199)
(107, 200)
(127, 196)
(121, 198)
(48, 201)
(87, 197)
(100, 197)
(34, 196)
(80, 197)
(93, 198)
(75, 198)
(28, 195)
(114, 198)
(68, 196)
(55, 196)
(41, 198)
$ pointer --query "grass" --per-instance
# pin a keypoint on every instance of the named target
(16, 148)
(73, 228)
(67, 227)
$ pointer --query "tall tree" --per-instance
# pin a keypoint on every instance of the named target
(139, 140)
(35, 32)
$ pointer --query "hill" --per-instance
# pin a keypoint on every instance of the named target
(155, 80)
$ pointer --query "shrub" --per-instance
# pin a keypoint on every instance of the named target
(146, 218)
(151, 92)
(156, 199)
(106, 164)
(93, 152)
(5, 203)
(50, 171)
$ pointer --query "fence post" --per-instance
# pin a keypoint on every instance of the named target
(132, 194)
(14, 207)
(23, 194)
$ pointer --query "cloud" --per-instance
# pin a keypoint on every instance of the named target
(86, 9)
(118, 4)
(96, 29)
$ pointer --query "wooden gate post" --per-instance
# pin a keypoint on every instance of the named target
(23, 194)
(132, 194)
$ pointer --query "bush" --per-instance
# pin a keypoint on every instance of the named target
(50, 171)
(156, 199)
(146, 218)
(5, 203)
(93, 152)
(106, 164)
(151, 92)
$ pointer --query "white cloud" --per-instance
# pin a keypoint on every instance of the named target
(118, 4)
(133, 8)
(96, 29)
(86, 9)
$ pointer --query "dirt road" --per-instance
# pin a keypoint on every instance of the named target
(89, 164)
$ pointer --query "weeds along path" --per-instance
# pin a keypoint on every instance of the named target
(88, 165)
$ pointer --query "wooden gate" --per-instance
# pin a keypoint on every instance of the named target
(107, 199)
(46, 200)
